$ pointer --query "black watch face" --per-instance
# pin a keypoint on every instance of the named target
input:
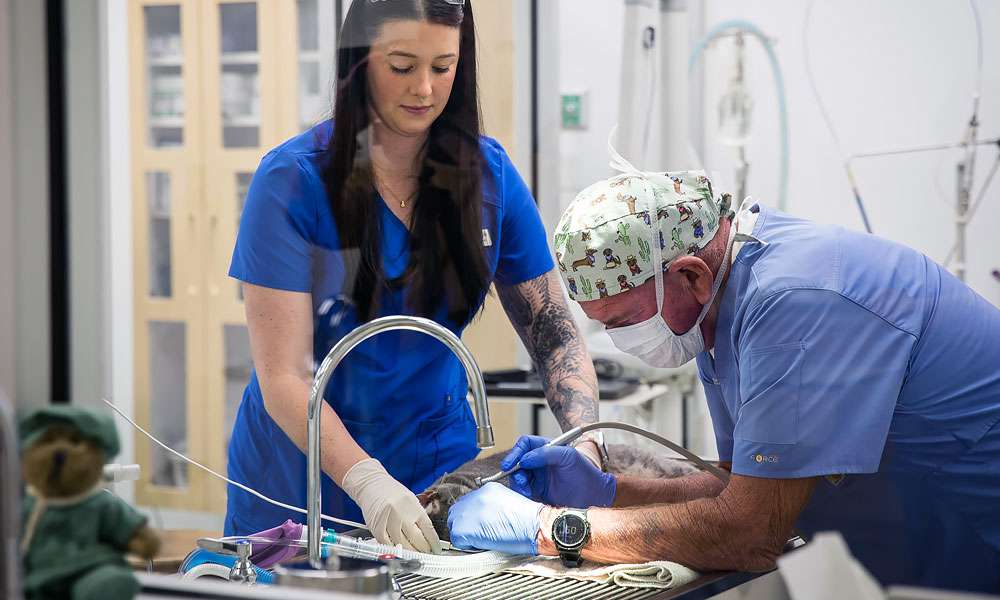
(570, 530)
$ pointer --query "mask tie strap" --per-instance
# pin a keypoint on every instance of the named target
(619, 163)
(745, 238)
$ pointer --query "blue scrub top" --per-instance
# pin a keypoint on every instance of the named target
(401, 395)
(840, 353)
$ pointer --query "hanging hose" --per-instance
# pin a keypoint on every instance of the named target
(779, 82)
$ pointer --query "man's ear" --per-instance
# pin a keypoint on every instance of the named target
(696, 273)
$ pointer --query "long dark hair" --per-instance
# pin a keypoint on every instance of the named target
(447, 262)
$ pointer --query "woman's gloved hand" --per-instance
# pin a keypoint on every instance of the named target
(495, 518)
(392, 512)
(558, 475)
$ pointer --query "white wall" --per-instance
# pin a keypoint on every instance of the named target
(118, 208)
(8, 344)
(893, 73)
(88, 210)
(590, 44)
(29, 171)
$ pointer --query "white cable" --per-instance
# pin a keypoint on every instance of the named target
(844, 159)
(815, 89)
(977, 89)
(833, 132)
(979, 50)
(226, 479)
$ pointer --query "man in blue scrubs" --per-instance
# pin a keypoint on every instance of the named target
(854, 384)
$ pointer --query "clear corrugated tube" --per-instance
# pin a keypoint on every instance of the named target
(431, 565)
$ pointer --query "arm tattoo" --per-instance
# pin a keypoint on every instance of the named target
(537, 310)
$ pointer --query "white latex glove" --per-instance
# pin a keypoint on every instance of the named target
(392, 512)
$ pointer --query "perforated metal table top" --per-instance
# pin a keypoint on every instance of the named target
(501, 586)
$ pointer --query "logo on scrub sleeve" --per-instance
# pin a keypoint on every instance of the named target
(764, 458)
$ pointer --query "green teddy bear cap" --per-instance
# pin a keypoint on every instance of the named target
(603, 240)
(98, 427)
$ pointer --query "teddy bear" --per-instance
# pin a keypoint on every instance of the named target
(75, 532)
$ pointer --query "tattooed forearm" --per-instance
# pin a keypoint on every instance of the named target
(538, 311)
(573, 402)
(743, 529)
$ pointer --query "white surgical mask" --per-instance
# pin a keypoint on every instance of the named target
(652, 341)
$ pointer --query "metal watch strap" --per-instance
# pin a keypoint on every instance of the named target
(571, 559)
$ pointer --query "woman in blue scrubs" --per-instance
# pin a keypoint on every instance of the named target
(398, 205)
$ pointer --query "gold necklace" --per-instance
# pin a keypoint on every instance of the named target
(395, 197)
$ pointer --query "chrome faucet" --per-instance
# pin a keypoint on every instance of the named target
(484, 431)
(10, 503)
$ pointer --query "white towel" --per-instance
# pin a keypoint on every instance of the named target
(659, 574)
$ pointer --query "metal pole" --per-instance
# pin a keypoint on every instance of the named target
(961, 221)
(10, 503)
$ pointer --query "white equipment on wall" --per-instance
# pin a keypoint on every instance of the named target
(661, 120)
(735, 105)
(965, 206)
(653, 110)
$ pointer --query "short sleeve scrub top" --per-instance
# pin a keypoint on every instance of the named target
(401, 395)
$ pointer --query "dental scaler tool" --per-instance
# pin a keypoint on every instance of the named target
(563, 440)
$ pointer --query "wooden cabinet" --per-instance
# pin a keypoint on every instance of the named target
(215, 84)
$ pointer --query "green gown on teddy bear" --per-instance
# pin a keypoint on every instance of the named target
(75, 532)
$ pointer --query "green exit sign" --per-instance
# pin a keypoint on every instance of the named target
(574, 111)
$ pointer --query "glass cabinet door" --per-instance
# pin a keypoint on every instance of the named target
(166, 225)
(317, 48)
(219, 83)
(239, 83)
(168, 401)
(164, 75)
(158, 240)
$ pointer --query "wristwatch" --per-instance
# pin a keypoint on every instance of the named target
(570, 532)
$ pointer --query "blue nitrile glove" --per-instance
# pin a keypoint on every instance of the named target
(495, 518)
(558, 475)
